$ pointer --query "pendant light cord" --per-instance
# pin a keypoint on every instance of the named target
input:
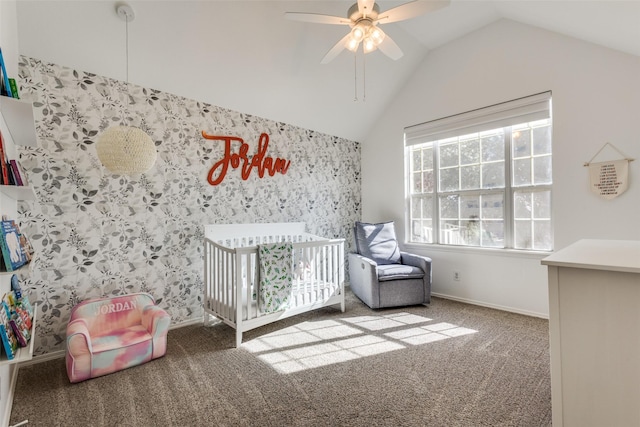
(126, 26)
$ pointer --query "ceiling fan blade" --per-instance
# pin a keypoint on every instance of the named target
(365, 7)
(316, 18)
(410, 10)
(390, 48)
(336, 49)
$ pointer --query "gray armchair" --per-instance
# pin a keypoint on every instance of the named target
(383, 276)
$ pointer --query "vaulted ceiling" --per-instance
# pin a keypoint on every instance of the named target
(245, 56)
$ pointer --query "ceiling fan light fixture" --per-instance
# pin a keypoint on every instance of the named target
(376, 34)
(369, 45)
(358, 33)
(352, 44)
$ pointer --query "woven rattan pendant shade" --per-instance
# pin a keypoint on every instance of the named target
(126, 150)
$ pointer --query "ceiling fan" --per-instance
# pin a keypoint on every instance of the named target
(363, 17)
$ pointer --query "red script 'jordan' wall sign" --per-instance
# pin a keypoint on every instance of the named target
(259, 160)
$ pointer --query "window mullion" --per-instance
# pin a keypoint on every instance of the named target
(436, 193)
(509, 240)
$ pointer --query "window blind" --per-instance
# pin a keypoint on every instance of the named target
(521, 110)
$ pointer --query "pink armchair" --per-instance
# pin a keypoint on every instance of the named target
(106, 335)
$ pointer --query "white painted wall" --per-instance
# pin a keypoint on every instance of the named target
(9, 35)
(596, 99)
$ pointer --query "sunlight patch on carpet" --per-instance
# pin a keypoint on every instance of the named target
(429, 333)
(302, 334)
(312, 344)
(387, 321)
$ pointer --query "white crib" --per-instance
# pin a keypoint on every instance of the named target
(231, 273)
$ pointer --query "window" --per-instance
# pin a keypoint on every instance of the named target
(482, 178)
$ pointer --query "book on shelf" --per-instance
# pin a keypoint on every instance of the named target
(5, 87)
(14, 88)
(3, 165)
(15, 286)
(22, 306)
(9, 341)
(13, 251)
(16, 320)
(23, 175)
(12, 172)
(26, 247)
(12, 178)
(18, 327)
(15, 172)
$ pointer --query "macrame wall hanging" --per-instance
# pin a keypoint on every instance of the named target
(609, 179)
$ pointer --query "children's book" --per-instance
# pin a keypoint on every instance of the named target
(12, 251)
(12, 179)
(20, 330)
(5, 85)
(25, 309)
(14, 88)
(8, 342)
(8, 302)
(4, 178)
(15, 170)
(15, 286)
(26, 247)
(26, 317)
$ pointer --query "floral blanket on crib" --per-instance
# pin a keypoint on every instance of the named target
(276, 276)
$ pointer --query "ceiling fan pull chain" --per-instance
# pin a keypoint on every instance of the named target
(364, 77)
(355, 77)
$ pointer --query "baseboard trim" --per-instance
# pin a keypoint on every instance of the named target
(43, 358)
(494, 306)
(196, 321)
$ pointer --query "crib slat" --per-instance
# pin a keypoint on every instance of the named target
(207, 269)
(251, 283)
(226, 270)
(237, 288)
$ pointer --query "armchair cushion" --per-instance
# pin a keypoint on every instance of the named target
(398, 271)
(377, 242)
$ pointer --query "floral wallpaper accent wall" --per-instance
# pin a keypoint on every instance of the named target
(98, 234)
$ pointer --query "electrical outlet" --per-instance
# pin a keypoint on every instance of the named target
(456, 276)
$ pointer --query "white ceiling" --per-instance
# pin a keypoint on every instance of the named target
(244, 55)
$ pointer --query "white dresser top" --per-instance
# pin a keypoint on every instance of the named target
(612, 255)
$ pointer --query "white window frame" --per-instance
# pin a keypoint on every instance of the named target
(504, 115)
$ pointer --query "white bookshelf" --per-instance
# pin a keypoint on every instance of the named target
(18, 129)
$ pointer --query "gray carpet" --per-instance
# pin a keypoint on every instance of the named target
(448, 364)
